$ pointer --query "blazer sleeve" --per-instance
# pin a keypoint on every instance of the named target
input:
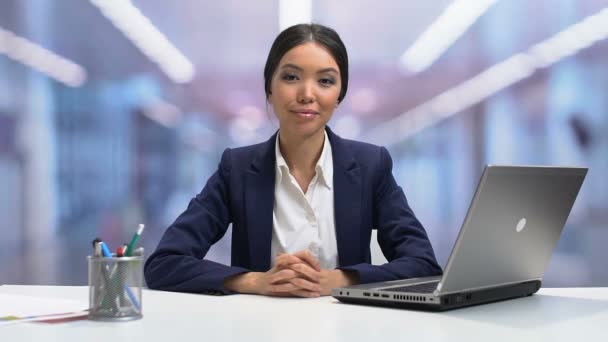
(178, 262)
(401, 237)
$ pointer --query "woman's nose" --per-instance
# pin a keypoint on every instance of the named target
(306, 93)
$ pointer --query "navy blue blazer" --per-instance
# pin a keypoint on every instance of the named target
(241, 192)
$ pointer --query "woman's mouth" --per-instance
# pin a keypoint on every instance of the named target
(305, 113)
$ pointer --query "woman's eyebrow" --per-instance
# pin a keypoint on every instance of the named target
(291, 66)
(324, 70)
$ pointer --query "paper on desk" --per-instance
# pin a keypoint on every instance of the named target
(15, 308)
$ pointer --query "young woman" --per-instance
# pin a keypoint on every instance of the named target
(302, 204)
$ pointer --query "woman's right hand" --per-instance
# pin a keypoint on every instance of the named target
(281, 280)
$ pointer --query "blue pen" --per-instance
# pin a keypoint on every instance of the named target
(102, 249)
(132, 298)
(105, 250)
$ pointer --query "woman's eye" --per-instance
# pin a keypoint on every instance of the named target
(289, 77)
(327, 81)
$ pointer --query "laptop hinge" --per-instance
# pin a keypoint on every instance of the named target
(441, 293)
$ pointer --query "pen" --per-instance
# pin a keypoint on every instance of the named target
(133, 242)
(120, 251)
(105, 250)
(112, 276)
(132, 298)
(103, 300)
(96, 247)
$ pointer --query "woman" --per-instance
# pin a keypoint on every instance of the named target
(302, 204)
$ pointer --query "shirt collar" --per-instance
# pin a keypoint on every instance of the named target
(324, 167)
(281, 163)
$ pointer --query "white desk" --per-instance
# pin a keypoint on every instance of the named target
(551, 315)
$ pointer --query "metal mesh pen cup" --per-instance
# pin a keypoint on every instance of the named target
(115, 288)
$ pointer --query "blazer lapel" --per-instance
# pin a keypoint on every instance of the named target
(347, 202)
(259, 201)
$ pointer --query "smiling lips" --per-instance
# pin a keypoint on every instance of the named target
(305, 113)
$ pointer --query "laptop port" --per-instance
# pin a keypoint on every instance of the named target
(385, 296)
(376, 295)
(366, 294)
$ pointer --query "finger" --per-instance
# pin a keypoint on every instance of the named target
(305, 294)
(281, 258)
(306, 256)
(307, 271)
(282, 276)
(283, 288)
(285, 260)
(306, 285)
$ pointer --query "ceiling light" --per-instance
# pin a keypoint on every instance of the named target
(147, 38)
(494, 79)
(41, 59)
(443, 32)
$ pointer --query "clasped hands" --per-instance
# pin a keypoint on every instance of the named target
(292, 275)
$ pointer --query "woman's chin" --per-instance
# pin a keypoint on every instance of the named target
(304, 131)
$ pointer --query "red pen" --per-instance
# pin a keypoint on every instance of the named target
(120, 251)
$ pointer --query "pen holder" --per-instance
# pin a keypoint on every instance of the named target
(115, 288)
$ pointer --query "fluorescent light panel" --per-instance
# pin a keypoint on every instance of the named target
(443, 32)
(162, 112)
(41, 59)
(494, 79)
(147, 38)
(292, 12)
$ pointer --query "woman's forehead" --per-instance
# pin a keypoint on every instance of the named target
(309, 56)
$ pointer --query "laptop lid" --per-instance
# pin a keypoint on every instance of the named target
(512, 226)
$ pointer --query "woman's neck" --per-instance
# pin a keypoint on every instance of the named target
(302, 154)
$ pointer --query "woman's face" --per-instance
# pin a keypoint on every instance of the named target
(304, 90)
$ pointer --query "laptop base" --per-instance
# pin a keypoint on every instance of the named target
(451, 301)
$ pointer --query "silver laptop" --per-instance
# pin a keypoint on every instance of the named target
(513, 224)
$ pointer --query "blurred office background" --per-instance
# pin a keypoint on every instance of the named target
(114, 113)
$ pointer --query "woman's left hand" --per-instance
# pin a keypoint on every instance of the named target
(307, 268)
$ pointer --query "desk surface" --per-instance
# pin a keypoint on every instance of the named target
(551, 315)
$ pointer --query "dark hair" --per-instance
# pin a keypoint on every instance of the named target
(304, 33)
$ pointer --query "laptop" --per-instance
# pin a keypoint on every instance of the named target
(503, 248)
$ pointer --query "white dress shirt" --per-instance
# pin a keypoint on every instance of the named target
(305, 220)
